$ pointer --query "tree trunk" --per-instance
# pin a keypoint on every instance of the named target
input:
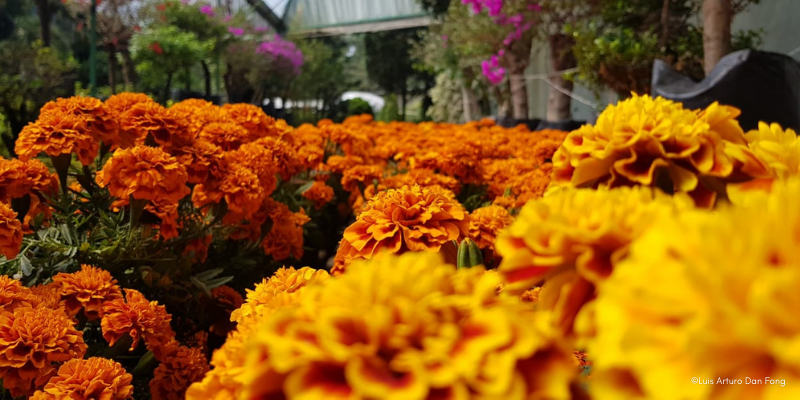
(207, 76)
(664, 24)
(112, 67)
(717, 19)
(561, 58)
(128, 71)
(403, 93)
(167, 88)
(466, 99)
(519, 89)
(45, 15)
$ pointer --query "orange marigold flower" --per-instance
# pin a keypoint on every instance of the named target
(88, 288)
(101, 123)
(48, 295)
(227, 135)
(33, 341)
(486, 223)
(252, 118)
(119, 103)
(55, 134)
(13, 295)
(10, 232)
(93, 378)
(363, 175)
(282, 155)
(200, 159)
(258, 159)
(12, 177)
(139, 318)
(144, 173)
(150, 120)
(406, 219)
(319, 193)
(424, 178)
(228, 297)
(285, 238)
(198, 248)
(199, 113)
(239, 187)
(180, 367)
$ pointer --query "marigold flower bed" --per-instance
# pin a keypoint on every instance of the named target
(637, 257)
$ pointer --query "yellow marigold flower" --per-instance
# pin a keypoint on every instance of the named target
(285, 280)
(10, 232)
(88, 289)
(93, 378)
(319, 193)
(779, 149)
(180, 367)
(252, 118)
(139, 318)
(227, 135)
(55, 134)
(408, 327)
(572, 239)
(13, 295)
(150, 121)
(654, 142)
(144, 173)
(703, 296)
(406, 219)
(101, 123)
(33, 341)
(486, 223)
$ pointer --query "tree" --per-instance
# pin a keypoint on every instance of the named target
(30, 76)
(389, 63)
(323, 75)
(717, 20)
(161, 52)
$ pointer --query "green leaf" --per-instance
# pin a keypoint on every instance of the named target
(304, 188)
(25, 265)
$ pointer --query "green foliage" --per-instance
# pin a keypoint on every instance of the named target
(448, 103)
(30, 76)
(163, 51)
(358, 107)
(390, 111)
(435, 7)
(616, 49)
(323, 76)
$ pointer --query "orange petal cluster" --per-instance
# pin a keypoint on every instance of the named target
(400, 220)
(180, 367)
(144, 173)
(10, 232)
(87, 289)
(138, 318)
(89, 379)
(486, 223)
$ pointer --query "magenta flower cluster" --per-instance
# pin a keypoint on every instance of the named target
(283, 49)
(491, 68)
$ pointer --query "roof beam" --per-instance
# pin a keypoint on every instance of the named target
(265, 12)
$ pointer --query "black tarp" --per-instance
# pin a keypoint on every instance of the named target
(765, 86)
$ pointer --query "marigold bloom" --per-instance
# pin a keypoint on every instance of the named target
(150, 120)
(228, 297)
(13, 295)
(572, 239)
(653, 142)
(779, 149)
(55, 134)
(252, 118)
(201, 160)
(259, 160)
(486, 223)
(227, 135)
(285, 280)
(144, 173)
(101, 123)
(32, 343)
(139, 318)
(119, 103)
(88, 289)
(285, 238)
(703, 295)
(48, 296)
(426, 330)
(239, 187)
(406, 219)
(180, 367)
(93, 378)
(319, 193)
(10, 232)
(282, 155)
